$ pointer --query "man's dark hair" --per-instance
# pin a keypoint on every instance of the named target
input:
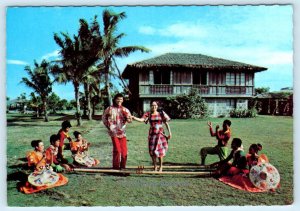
(118, 95)
(54, 138)
(65, 124)
(227, 122)
(237, 141)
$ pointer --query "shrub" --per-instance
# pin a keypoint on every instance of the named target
(243, 113)
(186, 106)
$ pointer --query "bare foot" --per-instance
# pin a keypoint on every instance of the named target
(160, 169)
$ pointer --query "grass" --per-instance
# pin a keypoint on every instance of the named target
(87, 189)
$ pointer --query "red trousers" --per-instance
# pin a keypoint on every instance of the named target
(119, 152)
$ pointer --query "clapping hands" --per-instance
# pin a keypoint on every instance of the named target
(209, 124)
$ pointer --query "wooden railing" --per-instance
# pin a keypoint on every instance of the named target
(164, 90)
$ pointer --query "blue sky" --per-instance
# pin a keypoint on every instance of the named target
(258, 35)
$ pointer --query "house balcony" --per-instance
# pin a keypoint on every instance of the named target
(204, 90)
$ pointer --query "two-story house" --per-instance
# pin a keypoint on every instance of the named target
(224, 84)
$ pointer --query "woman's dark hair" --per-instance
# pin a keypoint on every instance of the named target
(256, 147)
(35, 143)
(152, 101)
(237, 141)
(65, 124)
(54, 138)
(76, 134)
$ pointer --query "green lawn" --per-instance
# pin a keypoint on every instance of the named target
(83, 189)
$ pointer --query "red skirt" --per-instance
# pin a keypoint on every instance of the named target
(158, 145)
(28, 188)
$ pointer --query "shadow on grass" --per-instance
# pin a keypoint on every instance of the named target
(180, 164)
(17, 176)
(72, 117)
(11, 124)
(100, 144)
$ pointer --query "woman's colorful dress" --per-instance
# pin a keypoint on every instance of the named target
(157, 141)
(43, 177)
(80, 155)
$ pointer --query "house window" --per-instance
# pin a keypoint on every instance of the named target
(182, 77)
(231, 103)
(237, 79)
(144, 78)
(249, 79)
(230, 78)
(203, 77)
(196, 77)
(199, 78)
(242, 78)
(162, 77)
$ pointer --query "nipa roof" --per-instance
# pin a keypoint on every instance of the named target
(183, 61)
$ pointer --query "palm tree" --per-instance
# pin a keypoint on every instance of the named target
(77, 55)
(110, 48)
(39, 80)
(91, 81)
(35, 103)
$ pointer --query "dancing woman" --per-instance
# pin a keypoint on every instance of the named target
(158, 141)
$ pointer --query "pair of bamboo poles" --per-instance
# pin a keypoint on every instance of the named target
(197, 170)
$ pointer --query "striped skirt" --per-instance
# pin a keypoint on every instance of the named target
(158, 145)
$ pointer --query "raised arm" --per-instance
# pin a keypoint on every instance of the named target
(210, 129)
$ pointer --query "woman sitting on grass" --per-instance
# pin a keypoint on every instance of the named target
(37, 158)
(157, 140)
(51, 154)
(253, 158)
(79, 149)
(239, 164)
(43, 176)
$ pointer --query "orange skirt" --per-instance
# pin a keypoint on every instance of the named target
(240, 182)
(28, 188)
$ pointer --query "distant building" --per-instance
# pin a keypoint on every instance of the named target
(276, 103)
(224, 84)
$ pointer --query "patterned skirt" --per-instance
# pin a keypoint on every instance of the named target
(158, 145)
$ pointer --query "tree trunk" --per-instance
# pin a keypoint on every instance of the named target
(93, 109)
(78, 114)
(37, 112)
(88, 100)
(45, 110)
(89, 104)
(109, 99)
(85, 86)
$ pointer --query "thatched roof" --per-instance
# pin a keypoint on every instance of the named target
(189, 61)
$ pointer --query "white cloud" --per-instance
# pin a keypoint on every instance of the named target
(50, 55)
(147, 30)
(16, 62)
(187, 30)
(182, 30)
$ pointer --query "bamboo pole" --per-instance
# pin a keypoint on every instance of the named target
(90, 170)
(174, 167)
(165, 167)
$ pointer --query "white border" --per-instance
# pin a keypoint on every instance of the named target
(5, 3)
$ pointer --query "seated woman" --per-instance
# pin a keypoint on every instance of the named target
(239, 164)
(43, 176)
(52, 155)
(253, 158)
(255, 179)
(79, 149)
